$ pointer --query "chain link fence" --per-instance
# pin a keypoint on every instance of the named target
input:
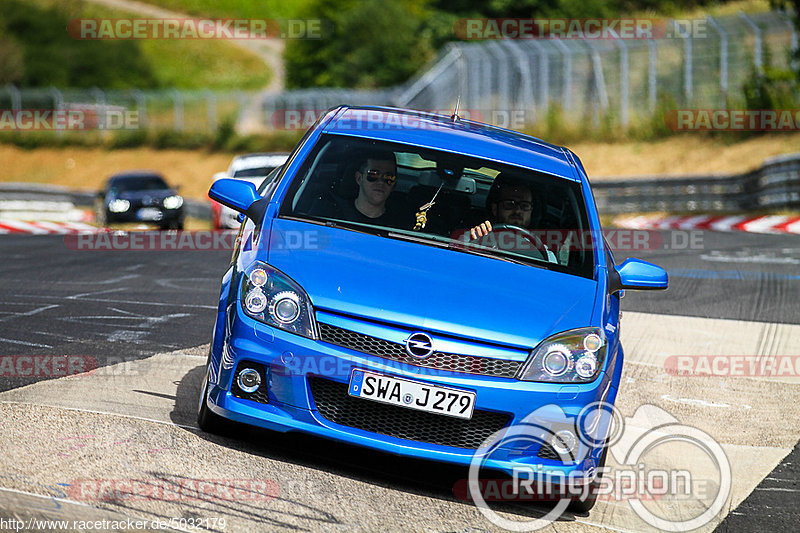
(514, 83)
(697, 64)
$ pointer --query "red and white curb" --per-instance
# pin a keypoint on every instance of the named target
(751, 224)
(46, 228)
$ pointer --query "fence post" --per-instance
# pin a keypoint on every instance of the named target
(58, 104)
(544, 76)
(794, 42)
(100, 100)
(501, 62)
(687, 62)
(525, 77)
(723, 56)
(757, 47)
(211, 110)
(177, 100)
(16, 97)
(141, 107)
(651, 73)
(601, 94)
(566, 74)
(624, 75)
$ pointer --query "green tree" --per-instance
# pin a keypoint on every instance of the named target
(51, 57)
(367, 44)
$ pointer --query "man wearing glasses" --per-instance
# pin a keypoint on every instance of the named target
(511, 202)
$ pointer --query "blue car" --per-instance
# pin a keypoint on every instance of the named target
(417, 284)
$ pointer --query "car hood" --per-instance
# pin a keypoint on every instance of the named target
(429, 288)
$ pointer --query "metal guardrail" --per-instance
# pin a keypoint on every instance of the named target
(35, 194)
(775, 185)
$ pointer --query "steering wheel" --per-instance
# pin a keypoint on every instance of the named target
(530, 237)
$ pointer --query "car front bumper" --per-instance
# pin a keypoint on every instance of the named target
(293, 364)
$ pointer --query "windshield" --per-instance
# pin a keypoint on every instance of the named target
(139, 183)
(442, 199)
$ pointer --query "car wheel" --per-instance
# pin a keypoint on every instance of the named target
(207, 420)
(585, 505)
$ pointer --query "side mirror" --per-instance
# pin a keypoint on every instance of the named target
(240, 196)
(636, 274)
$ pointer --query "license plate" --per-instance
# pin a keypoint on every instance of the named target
(149, 213)
(412, 394)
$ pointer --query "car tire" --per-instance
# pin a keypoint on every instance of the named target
(207, 420)
(584, 506)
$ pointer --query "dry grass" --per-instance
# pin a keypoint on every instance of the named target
(681, 155)
(87, 168)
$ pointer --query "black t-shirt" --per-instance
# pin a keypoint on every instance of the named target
(396, 215)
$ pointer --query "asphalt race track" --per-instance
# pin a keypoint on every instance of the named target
(140, 321)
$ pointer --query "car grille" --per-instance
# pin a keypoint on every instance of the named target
(548, 452)
(469, 364)
(335, 404)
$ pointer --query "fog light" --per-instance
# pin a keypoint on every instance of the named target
(248, 380)
(564, 441)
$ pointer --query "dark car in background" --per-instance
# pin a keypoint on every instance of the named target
(139, 196)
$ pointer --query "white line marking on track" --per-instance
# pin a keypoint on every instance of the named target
(33, 344)
(51, 498)
(692, 401)
(29, 313)
(92, 411)
(93, 293)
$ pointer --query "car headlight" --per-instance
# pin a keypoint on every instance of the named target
(119, 205)
(173, 202)
(574, 356)
(269, 296)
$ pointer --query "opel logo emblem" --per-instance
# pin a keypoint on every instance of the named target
(419, 345)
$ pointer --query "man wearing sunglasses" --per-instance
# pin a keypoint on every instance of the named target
(376, 178)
